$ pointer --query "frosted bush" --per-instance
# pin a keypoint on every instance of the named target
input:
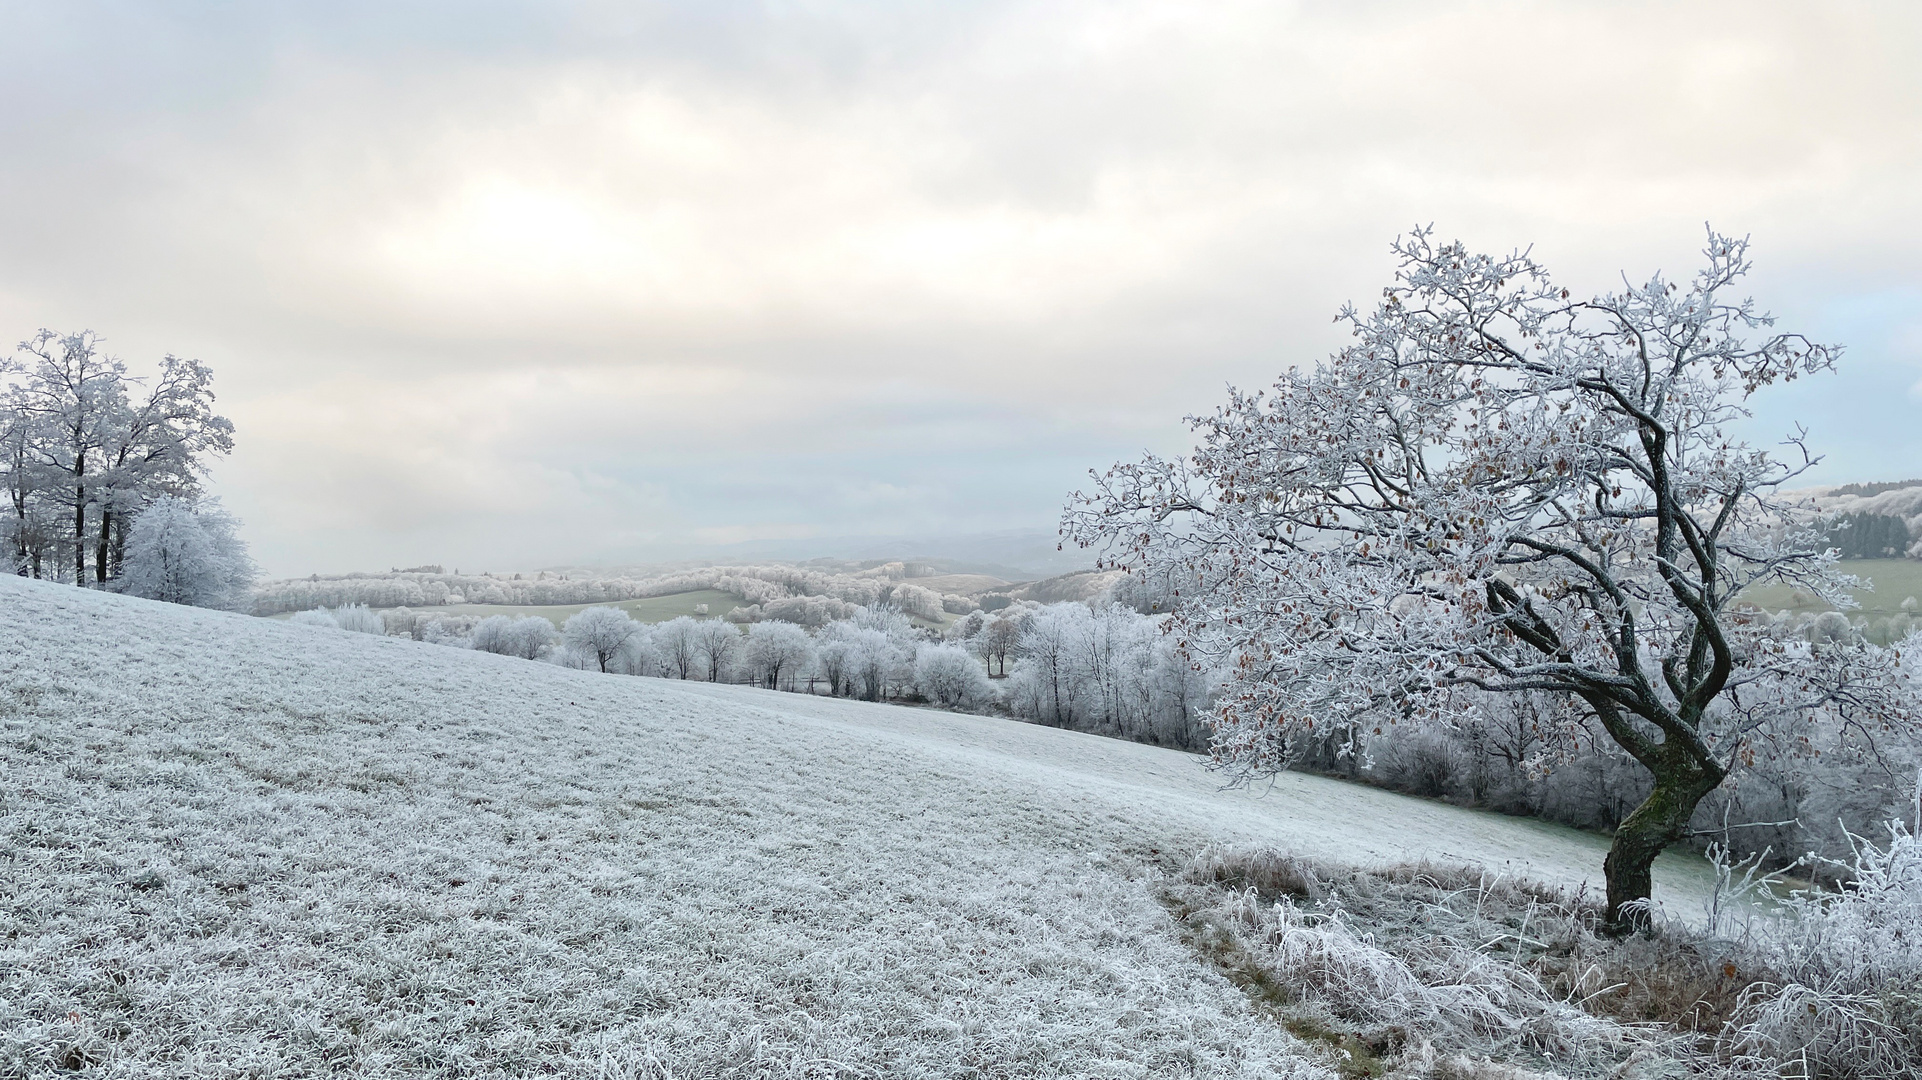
(949, 676)
(529, 637)
(359, 619)
(316, 617)
(1849, 1004)
(187, 554)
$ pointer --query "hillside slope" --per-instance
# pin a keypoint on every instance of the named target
(241, 847)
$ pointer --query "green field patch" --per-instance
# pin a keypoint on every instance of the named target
(1894, 581)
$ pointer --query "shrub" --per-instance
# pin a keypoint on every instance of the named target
(359, 619)
(1849, 1004)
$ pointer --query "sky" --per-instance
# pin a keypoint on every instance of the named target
(507, 285)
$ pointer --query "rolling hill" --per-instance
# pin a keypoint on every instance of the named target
(240, 847)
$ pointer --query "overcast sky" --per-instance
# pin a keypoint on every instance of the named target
(506, 285)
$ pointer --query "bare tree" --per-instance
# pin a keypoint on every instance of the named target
(1499, 488)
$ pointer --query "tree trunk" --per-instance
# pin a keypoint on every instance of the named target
(100, 547)
(80, 535)
(1661, 820)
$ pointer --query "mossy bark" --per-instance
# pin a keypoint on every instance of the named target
(1659, 821)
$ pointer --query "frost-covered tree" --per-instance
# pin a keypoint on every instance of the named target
(1502, 488)
(834, 657)
(778, 652)
(876, 661)
(716, 644)
(1046, 646)
(185, 554)
(865, 660)
(642, 656)
(529, 637)
(950, 676)
(599, 634)
(998, 638)
(674, 642)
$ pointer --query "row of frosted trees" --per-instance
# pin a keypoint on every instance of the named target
(86, 448)
(1103, 668)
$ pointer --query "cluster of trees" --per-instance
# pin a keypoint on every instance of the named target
(1867, 491)
(1102, 668)
(85, 448)
(102, 469)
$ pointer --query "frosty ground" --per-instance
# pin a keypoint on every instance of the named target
(241, 847)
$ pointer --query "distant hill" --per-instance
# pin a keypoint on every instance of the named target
(1871, 490)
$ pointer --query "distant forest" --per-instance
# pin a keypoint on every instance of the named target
(1870, 536)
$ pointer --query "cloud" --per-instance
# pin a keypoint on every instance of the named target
(533, 282)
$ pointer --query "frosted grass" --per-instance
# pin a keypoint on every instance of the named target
(235, 847)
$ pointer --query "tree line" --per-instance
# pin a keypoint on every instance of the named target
(1103, 667)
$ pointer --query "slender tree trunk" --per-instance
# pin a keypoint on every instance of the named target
(117, 555)
(100, 546)
(1659, 821)
(80, 535)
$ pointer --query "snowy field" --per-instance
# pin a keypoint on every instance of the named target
(237, 847)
